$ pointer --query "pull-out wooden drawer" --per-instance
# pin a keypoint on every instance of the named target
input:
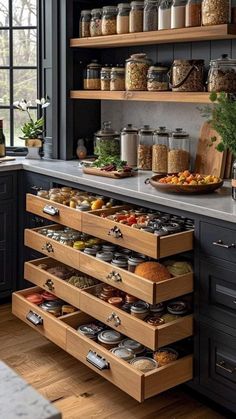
(150, 336)
(134, 239)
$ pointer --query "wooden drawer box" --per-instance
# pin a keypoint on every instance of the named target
(150, 336)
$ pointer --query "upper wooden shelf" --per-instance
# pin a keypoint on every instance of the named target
(202, 33)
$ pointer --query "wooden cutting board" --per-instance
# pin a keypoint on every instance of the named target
(115, 175)
(209, 161)
(5, 159)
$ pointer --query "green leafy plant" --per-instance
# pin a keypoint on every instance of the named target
(34, 128)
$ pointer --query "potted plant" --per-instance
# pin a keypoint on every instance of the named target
(32, 130)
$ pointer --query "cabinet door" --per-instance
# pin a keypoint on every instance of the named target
(8, 254)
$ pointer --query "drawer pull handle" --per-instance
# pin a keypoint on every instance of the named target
(114, 276)
(34, 318)
(220, 243)
(221, 365)
(50, 210)
(111, 317)
(117, 321)
(49, 284)
(115, 232)
(97, 361)
(48, 247)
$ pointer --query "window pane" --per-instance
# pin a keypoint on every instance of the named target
(4, 47)
(25, 84)
(4, 13)
(20, 118)
(24, 12)
(5, 114)
(24, 47)
(4, 87)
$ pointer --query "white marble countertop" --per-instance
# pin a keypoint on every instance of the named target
(217, 205)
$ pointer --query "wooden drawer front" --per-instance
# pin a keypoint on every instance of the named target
(218, 241)
(135, 239)
(66, 216)
(55, 250)
(152, 337)
(135, 285)
(51, 283)
(52, 328)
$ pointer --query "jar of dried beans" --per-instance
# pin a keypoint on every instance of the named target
(92, 77)
(96, 22)
(222, 75)
(122, 21)
(187, 76)
(84, 27)
(158, 78)
(109, 14)
(136, 72)
(193, 13)
(179, 152)
(106, 78)
(117, 78)
(215, 12)
(160, 151)
(150, 17)
(136, 16)
(145, 148)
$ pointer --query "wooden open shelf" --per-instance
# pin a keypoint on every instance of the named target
(202, 33)
(188, 97)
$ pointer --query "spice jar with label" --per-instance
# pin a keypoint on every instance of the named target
(150, 16)
(136, 72)
(178, 14)
(193, 13)
(222, 75)
(117, 78)
(106, 78)
(92, 77)
(129, 145)
(215, 12)
(109, 14)
(187, 76)
(136, 16)
(96, 22)
(160, 151)
(158, 78)
(164, 15)
(84, 26)
(107, 142)
(145, 148)
(122, 21)
(179, 152)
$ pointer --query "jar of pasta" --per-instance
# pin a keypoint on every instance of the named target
(160, 151)
(179, 152)
(109, 14)
(117, 78)
(84, 27)
(96, 22)
(106, 78)
(136, 72)
(122, 22)
(136, 16)
(145, 148)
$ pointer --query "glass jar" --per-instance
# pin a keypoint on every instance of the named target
(106, 78)
(187, 76)
(67, 240)
(120, 262)
(140, 310)
(193, 13)
(117, 78)
(136, 16)
(84, 26)
(109, 14)
(134, 261)
(92, 76)
(222, 75)
(179, 152)
(136, 72)
(160, 151)
(96, 22)
(145, 148)
(178, 14)
(215, 12)
(122, 21)
(233, 11)
(150, 16)
(129, 144)
(158, 78)
(164, 15)
(107, 142)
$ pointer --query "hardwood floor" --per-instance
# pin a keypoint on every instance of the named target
(76, 390)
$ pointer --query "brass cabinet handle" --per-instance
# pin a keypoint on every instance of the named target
(49, 284)
(34, 318)
(221, 365)
(114, 276)
(220, 243)
(115, 232)
(48, 247)
(111, 317)
(117, 321)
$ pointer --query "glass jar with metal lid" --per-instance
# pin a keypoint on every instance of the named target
(150, 16)
(222, 75)
(164, 14)
(107, 142)
(179, 152)
(187, 76)
(160, 151)
(96, 22)
(84, 27)
(134, 261)
(67, 240)
(92, 76)
(145, 148)
(109, 339)
(117, 78)
(109, 14)
(129, 145)
(178, 14)
(120, 262)
(158, 78)
(215, 12)
(123, 353)
(104, 256)
(136, 16)
(193, 13)
(136, 347)
(122, 21)
(106, 78)
(140, 310)
(136, 72)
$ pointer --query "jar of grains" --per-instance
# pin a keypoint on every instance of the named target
(193, 13)
(145, 148)
(84, 27)
(160, 151)
(117, 78)
(96, 22)
(136, 16)
(187, 76)
(222, 75)
(136, 72)
(179, 152)
(215, 12)
(158, 78)
(122, 21)
(164, 15)
(150, 16)
(178, 14)
(109, 14)
(107, 142)
(92, 77)
(106, 77)
(233, 11)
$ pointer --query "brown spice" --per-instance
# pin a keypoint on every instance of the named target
(178, 161)
(92, 84)
(193, 15)
(159, 158)
(215, 12)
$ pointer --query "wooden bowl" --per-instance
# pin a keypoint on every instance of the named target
(183, 189)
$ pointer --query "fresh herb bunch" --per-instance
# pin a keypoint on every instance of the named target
(222, 117)
(111, 162)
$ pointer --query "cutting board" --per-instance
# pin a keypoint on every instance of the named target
(208, 159)
(5, 159)
(115, 175)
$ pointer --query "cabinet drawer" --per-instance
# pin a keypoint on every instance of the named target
(218, 241)
(135, 285)
(7, 187)
(134, 239)
(150, 336)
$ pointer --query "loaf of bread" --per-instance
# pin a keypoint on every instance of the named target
(153, 271)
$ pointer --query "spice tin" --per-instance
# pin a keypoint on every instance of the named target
(177, 308)
(155, 321)
(109, 339)
(90, 330)
(140, 309)
(123, 353)
(144, 364)
(135, 346)
(104, 256)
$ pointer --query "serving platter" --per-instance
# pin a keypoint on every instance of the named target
(183, 189)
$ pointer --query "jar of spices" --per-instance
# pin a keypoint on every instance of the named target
(85, 18)
(92, 77)
(123, 353)
(222, 75)
(136, 72)
(193, 13)
(187, 76)
(109, 339)
(160, 151)
(145, 148)
(150, 16)
(104, 256)
(136, 347)
(117, 78)
(109, 14)
(158, 78)
(106, 78)
(134, 261)
(96, 22)
(129, 145)
(233, 11)
(215, 12)
(136, 16)
(107, 142)
(178, 14)
(66, 239)
(164, 15)
(122, 21)
(179, 152)
(120, 262)
(140, 310)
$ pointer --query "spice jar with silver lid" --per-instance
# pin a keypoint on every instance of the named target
(104, 256)
(136, 347)
(164, 15)
(178, 14)
(92, 76)
(136, 72)
(136, 16)
(193, 13)
(107, 142)
(106, 78)
(216, 12)
(160, 151)
(179, 152)
(117, 78)
(140, 309)
(123, 353)
(120, 262)
(158, 78)
(84, 26)
(150, 16)
(134, 261)
(109, 14)
(145, 148)
(122, 21)
(109, 339)
(222, 75)
(187, 76)
(96, 22)
(129, 145)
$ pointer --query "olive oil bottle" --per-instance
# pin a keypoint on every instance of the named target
(2, 141)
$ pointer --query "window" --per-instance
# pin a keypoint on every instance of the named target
(18, 62)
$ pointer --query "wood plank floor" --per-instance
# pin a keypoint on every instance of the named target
(76, 390)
